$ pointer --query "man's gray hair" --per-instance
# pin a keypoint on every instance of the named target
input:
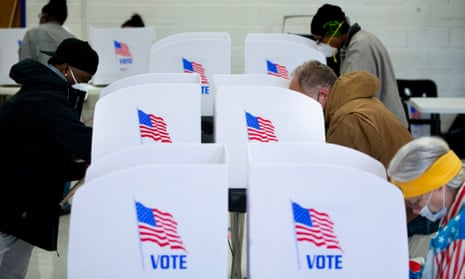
(313, 75)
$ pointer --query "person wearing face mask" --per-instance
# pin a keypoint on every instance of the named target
(357, 50)
(44, 145)
(431, 178)
(48, 35)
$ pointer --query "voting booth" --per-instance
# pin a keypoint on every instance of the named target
(263, 114)
(327, 221)
(157, 113)
(278, 54)
(150, 78)
(11, 39)
(122, 52)
(315, 153)
(162, 219)
(205, 53)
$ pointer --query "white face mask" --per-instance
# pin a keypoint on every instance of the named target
(327, 50)
(81, 86)
(428, 214)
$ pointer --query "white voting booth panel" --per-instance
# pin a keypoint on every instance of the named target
(146, 114)
(325, 222)
(176, 153)
(206, 53)
(150, 78)
(122, 52)
(250, 80)
(153, 221)
(278, 53)
(315, 153)
(295, 118)
(10, 39)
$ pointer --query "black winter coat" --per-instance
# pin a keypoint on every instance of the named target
(40, 136)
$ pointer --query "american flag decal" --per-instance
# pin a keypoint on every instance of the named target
(315, 227)
(121, 49)
(153, 126)
(277, 70)
(158, 227)
(194, 67)
(259, 129)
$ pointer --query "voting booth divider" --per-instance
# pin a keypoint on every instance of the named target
(122, 52)
(263, 114)
(205, 53)
(150, 78)
(11, 39)
(322, 221)
(157, 113)
(156, 217)
(278, 54)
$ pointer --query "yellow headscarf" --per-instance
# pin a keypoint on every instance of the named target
(437, 175)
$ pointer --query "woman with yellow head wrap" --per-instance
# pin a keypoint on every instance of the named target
(431, 178)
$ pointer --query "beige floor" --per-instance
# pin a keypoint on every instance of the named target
(50, 265)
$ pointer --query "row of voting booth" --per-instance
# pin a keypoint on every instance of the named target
(154, 203)
(126, 52)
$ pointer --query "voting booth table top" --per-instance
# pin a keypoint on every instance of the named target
(155, 219)
(122, 52)
(205, 53)
(278, 54)
(262, 114)
(11, 39)
(315, 153)
(146, 114)
(187, 153)
(326, 221)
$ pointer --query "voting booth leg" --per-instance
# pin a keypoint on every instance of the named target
(237, 236)
(237, 210)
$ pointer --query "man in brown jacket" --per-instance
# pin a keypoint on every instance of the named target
(354, 117)
(357, 119)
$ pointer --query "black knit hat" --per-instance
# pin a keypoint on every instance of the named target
(75, 53)
(329, 20)
(134, 21)
(57, 9)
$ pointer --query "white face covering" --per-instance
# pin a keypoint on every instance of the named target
(428, 214)
(327, 50)
(81, 86)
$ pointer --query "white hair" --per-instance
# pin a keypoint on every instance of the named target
(415, 157)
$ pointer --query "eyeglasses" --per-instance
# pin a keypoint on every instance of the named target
(80, 75)
(319, 39)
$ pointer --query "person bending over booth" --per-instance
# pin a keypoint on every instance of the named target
(431, 178)
(359, 50)
(42, 138)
